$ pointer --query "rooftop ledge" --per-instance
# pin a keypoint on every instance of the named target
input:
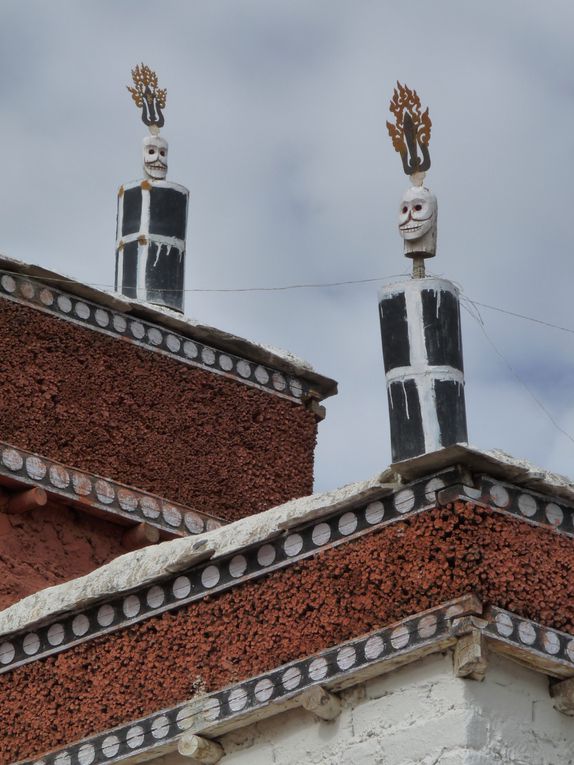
(284, 361)
(140, 568)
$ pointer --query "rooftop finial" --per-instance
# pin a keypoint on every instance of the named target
(148, 97)
(152, 212)
(418, 213)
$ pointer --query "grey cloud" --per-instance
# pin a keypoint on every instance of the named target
(276, 121)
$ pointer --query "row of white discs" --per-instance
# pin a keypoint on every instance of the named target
(292, 678)
(82, 484)
(527, 505)
(346, 658)
(155, 597)
(154, 336)
(528, 632)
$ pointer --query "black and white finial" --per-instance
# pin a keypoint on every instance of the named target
(418, 211)
(152, 213)
(420, 317)
(422, 350)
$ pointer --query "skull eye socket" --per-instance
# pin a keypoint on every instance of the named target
(418, 208)
(404, 210)
(151, 151)
(162, 152)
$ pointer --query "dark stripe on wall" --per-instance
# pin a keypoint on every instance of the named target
(395, 331)
(164, 268)
(407, 435)
(168, 212)
(132, 204)
(441, 320)
(451, 411)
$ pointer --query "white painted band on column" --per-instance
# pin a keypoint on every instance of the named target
(399, 374)
(171, 241)
(419, 359)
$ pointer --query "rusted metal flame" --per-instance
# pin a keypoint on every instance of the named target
(412, 129)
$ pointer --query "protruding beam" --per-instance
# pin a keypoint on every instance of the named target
(562, 694)
(470, 655)
(318, 409)
(321, 702)
(201, 749)
(25, 501)
(141, 535)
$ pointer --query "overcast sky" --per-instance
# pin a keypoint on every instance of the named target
(276, 122)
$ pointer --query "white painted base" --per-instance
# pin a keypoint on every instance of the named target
(420, 715)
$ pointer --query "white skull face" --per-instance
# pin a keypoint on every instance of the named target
(155, 157)
(418, 213)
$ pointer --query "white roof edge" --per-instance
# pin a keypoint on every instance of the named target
(495, 462)
(226, 341)
(138, 568)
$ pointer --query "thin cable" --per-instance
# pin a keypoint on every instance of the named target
(310, 285)
(279, 288)
(314, 285)
(478, 318)
(520, 316)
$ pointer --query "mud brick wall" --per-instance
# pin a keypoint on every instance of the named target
(51, 545)
(112, 408)
(338, 594)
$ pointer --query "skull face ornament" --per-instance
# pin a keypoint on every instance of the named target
(155, 157)
(417, 222)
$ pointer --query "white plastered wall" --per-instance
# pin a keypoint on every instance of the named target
(420, 715)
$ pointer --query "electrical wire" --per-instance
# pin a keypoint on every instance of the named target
(476, 315)
(318, 285)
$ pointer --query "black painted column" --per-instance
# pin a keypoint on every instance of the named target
(422, 350)
(150, 243)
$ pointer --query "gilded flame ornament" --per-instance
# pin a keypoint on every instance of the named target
(148, 97)
(411, 131)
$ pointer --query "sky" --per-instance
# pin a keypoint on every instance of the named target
(275, 119)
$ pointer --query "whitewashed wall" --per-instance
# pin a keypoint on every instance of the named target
(420, 715)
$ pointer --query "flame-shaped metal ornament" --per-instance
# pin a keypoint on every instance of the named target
(148, 97)
(411, 131)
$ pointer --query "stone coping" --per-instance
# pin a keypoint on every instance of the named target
(109, 499)
(338, 667)
(145, 583)
(137, 570)
(495, 462)
(165, 331)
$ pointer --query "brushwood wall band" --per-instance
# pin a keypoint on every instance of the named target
(430, 629)
(152, 337)
(80, 488)
(257, 560)
(217, 575)
(422, 350)
(427, 630)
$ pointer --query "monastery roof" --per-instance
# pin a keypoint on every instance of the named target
(322, 387)
(323, 590)
(143, 567)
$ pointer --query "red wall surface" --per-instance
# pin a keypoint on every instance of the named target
(333, 596)
(113, 408)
